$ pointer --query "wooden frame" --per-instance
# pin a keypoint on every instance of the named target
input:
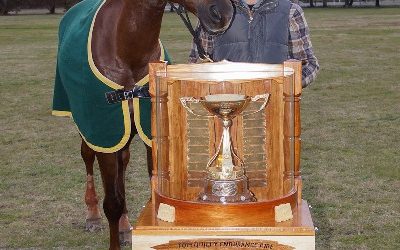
(175, 185)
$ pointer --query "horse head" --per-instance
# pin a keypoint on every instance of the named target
(215, 15)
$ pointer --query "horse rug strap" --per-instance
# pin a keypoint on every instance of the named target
(120, 95)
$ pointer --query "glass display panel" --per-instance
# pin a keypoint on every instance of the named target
(224, 132)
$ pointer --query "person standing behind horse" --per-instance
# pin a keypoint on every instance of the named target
(263, 31)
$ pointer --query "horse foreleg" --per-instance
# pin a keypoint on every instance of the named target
(93, 216)
(125, 227)
(112, 174)
(149, 161)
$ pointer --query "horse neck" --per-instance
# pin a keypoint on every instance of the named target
(126, 37)
(138, 32)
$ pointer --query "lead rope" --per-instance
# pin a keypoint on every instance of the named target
(204, 57)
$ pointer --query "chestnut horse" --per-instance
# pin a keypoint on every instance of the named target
(124, 39)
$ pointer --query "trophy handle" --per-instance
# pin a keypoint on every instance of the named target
(237, 157)
(256, 98)
(186, 100)
(210, 161)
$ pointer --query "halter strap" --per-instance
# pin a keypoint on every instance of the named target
(181, 11)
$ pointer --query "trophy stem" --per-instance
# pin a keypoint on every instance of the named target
(227, 160)
(226, 182)
(222, 166)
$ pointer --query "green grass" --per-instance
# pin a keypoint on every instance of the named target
(350, 120)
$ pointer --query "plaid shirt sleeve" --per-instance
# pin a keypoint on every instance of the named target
(207, 41)
(300, 47)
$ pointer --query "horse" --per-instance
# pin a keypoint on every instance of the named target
(108, 44)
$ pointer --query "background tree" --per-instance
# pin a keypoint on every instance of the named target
(51, 6)
(3, 7)
(69, 3)
(9, 5)
(348, 3)
(171, 9)
(6, 6)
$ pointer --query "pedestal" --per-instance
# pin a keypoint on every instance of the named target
(297, 233)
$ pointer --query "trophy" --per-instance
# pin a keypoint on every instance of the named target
(226, 181)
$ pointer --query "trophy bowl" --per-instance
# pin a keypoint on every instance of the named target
(225, 106)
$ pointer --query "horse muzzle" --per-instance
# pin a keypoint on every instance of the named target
(216, 16)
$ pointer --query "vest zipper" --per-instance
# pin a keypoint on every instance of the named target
(250, 17)
(249, 29)
(250, 20)
(248, 11)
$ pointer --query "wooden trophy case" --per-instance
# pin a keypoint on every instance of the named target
(266, 138)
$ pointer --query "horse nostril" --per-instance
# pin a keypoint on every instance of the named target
(215, 14)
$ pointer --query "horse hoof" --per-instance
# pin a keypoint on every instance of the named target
(93, 225)
(125, 238)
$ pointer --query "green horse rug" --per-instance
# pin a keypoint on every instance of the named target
(80, 88)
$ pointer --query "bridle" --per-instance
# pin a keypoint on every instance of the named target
(181, 11)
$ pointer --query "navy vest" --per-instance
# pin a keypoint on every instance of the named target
(260, 37)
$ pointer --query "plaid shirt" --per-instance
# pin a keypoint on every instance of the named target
(300, 47)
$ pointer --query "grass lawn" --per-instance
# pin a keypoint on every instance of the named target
(350, 120)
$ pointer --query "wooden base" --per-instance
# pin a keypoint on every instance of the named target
(200, 214)
(297, 233)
